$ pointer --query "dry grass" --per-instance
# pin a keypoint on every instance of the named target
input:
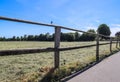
(26, 67)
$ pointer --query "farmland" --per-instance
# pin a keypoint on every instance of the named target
(21, 67)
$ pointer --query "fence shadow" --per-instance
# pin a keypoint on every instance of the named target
(47, 77)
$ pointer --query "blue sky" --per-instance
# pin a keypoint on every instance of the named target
(78, 14)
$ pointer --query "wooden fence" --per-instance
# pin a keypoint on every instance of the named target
(56, 48)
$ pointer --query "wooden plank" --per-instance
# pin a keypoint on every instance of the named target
(24, 51)
(80, 47)
(56, 46)
(43, 24)
(28, 51)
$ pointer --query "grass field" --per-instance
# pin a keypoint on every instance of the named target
(19, 68)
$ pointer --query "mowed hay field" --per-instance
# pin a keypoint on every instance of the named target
(21, 68)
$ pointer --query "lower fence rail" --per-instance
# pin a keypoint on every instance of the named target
(27, 51)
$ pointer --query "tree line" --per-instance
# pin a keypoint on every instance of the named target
(50, 37)
(76, 36)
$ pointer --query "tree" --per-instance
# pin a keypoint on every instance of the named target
(77, 36)
(2, 39)
(117, 34)
(67, 36)
(13, 38)
(25, 37)
(63, 36)
(88, 36)
(47, 36)
(91, 37)
(30, 38)
(18, 39)
(104, 30)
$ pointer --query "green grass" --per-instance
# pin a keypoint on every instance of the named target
(21, 68)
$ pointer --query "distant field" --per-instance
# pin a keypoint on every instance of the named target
(14, 68)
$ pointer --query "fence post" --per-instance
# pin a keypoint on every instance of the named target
(111, 44)
(97, 47)
(117, 43)
(56, 46)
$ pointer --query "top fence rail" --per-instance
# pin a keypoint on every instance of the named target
(43, 24)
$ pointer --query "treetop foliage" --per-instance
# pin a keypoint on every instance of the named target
(104, 29)
(117, 34)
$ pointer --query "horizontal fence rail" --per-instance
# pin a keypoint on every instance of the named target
(79, 47)
(43, 24)
(24, 51)
(56, 48)
(27, 51)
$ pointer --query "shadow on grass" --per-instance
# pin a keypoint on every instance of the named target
(47, 77)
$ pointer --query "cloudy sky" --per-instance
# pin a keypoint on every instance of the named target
(78, 14)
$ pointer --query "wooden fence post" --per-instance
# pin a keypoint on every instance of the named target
(56, 46)
(110, 44)
(97, 47)
(117, 43)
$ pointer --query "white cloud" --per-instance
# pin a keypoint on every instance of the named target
(115, 25)
(114, 28)
(97, 21)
